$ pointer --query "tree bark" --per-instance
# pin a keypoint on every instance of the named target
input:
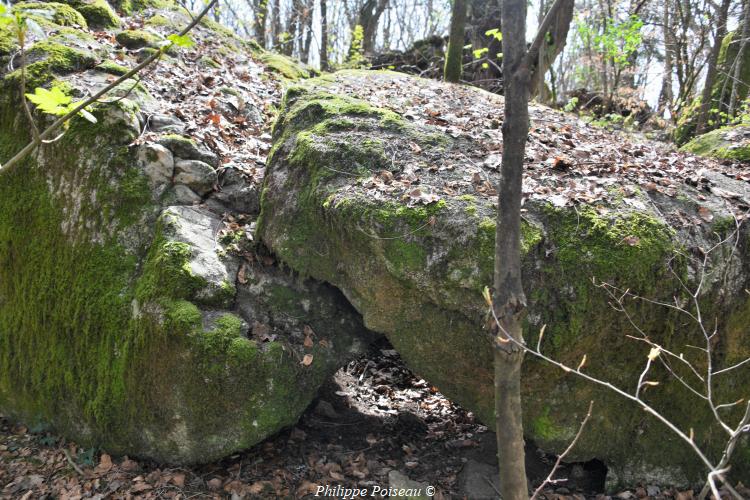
(324, 35)
(276, 24)
(306, 27)
(713, 61)
(292, 28)
(740, 66)
(261, 13)
(369, 17)
(509, 301)
(553, 44)
(454, 57)
(666, 95)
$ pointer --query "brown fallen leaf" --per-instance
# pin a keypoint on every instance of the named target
(306, 488)
(705, 214)
(129, 465)
(178, 480)
(241, 274)
(105, 464)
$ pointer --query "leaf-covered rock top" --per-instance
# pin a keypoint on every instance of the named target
(384, 185)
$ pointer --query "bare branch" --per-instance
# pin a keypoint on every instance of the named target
(560, 458)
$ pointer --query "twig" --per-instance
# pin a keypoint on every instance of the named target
(24, 101)
(560, 458)
(72, 463)
(62, 120)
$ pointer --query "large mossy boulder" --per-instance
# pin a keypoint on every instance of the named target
(726, 143)
(381, 184)
(132, 316)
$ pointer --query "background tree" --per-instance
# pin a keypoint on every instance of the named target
(324, 35)
(454, 56)
(713, 61)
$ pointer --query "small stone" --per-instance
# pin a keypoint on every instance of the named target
(166, 124)
(479, 480)
(157, 163)
(397, 480)
(195, 174)
(187, 148)
(238, 194)
(185, 196)
(214, 484)
(325, 409)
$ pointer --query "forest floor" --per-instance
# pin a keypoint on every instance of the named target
(374, 424)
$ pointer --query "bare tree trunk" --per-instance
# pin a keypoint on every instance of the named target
(666, 96)
(276, 24)
(509, 301)
(369, 17)
(713, 61)
(306, 27)
(261, 14)
(740, 66)
(292, 28)
(538, 87)
(553, 45)
(324, 35)
(454, 57)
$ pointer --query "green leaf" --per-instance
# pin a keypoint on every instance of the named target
(53, 101)
(480, 52)
(495, 33)
(181, 40)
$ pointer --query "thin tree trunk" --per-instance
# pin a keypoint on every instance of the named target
(369, 17)
(713, 61)
(292, 28)
(509, 300)
(276, 24)
(261, 14)
(324, 66)
(666, 96)
(553, 45)
(740, 66)
(454, 57)
(306, 27)
(538, 87)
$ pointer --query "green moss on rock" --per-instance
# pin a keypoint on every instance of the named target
(50, 59)
(727, 143)
(284, 66)
(138, 39)
(58, 13)
(112, 68)
(99, 14)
